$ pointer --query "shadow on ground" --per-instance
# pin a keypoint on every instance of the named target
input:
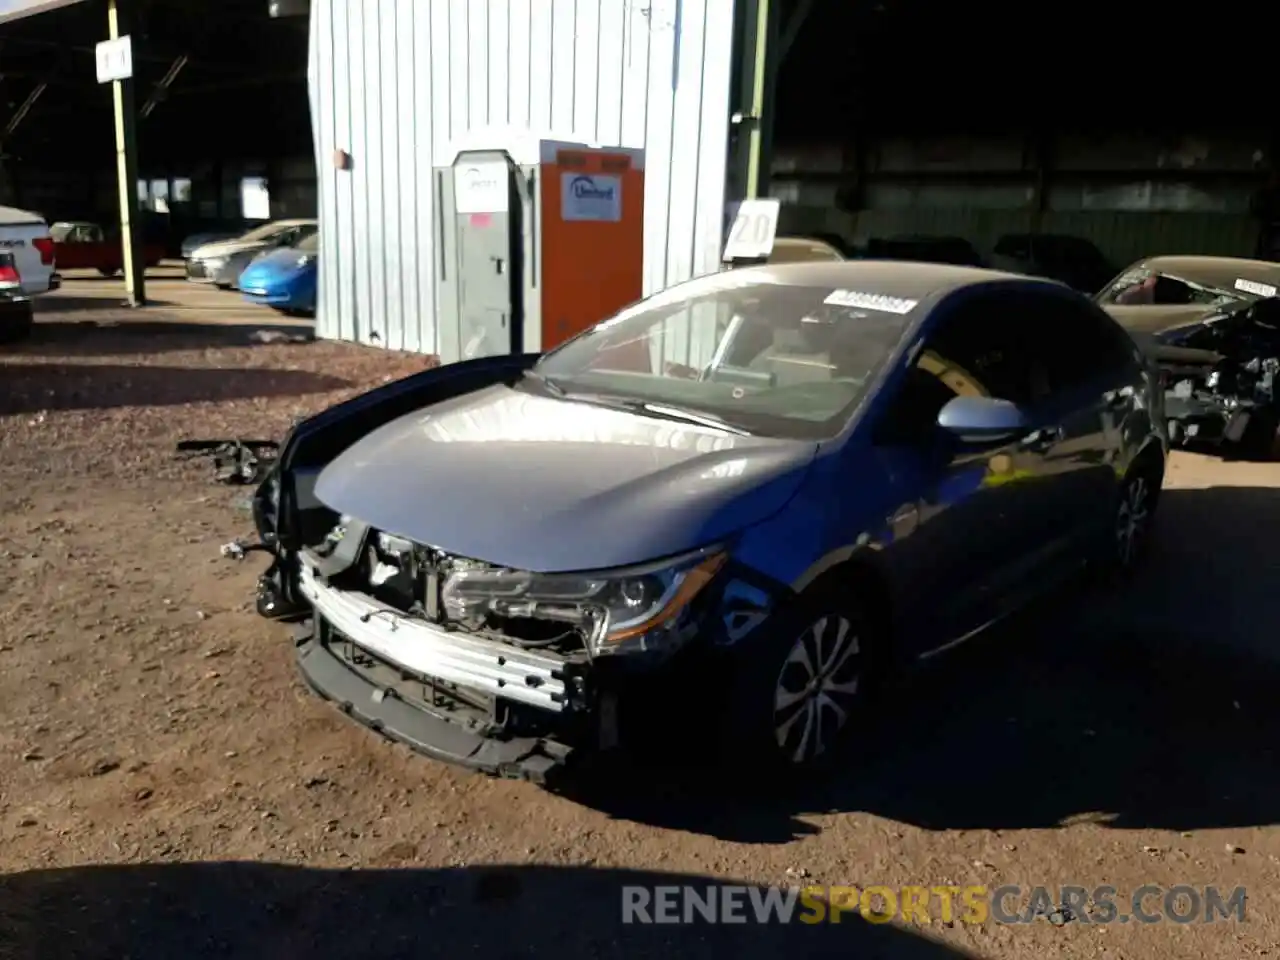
(1147, 706)
(260, 910)
(29, 387)
(67, 303)
(88, 338)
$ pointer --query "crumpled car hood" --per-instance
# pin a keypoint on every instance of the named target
(543, 484)
(1156, 318)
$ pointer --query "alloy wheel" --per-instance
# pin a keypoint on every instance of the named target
(1132, 519)
(816, 689)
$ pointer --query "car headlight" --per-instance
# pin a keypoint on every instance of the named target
(625, 610)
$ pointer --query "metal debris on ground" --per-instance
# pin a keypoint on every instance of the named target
(235, 461)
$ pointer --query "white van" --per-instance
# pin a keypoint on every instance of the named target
(26, 236)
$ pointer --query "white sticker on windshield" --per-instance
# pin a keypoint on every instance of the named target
(870, 301)
(1257, 289)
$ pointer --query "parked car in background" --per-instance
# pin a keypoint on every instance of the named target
(802, 249)
(1213, 326)
(15, 305)
(924, 249)
(1070, 260)
(26, 235)
(222, 263)
(196, 240)
(285, 278)
(81, 245)
(865, 437)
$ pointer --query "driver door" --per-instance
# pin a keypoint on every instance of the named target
(964, 527)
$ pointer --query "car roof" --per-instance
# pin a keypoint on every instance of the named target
(1221, 272)
(906, 279)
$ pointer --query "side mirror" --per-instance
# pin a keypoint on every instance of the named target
(982, 419)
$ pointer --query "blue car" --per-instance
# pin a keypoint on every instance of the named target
(734, 507)
(286, 278)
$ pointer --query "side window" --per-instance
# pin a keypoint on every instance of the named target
(979, 350)
(1080, 345)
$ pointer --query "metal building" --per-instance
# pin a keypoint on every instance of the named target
(394, 83)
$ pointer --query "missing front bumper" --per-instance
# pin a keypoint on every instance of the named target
(436, 734)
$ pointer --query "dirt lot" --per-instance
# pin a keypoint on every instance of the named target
(168, 789)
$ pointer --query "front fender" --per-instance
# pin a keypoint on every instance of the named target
(315, 441)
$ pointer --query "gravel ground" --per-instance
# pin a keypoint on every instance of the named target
(168, 789)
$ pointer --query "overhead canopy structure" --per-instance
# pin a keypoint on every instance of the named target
(16, 9)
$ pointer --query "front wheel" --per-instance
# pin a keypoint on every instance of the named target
(1261, 440)
(802, 685)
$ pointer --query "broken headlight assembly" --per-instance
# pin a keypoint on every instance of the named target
(629, 610)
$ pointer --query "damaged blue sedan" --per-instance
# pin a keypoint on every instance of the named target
(745, 499)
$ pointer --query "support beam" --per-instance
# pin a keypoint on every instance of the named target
(795, 23)
(127, 167)
(757, 71)
(161, 90)
(22, 111)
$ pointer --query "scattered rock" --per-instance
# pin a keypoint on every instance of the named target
(1232, 848)
(144, 794)
(797, 872)
(28, 822)
(33, 755)
(103, 767)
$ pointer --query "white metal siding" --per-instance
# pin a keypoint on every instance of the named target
(394, 82)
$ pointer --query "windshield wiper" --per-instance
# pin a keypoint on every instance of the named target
(656, 410)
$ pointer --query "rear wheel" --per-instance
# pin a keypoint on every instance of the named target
(108, 271)
(1132, 518)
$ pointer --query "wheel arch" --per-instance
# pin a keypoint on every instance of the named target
(856, 572)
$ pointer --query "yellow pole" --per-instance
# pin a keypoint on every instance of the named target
(127, 171)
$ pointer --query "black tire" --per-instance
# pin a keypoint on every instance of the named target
(1261, 440)
(785, 702)
(1128, 535)
(16, 332)
(223, 286)
(108, 271)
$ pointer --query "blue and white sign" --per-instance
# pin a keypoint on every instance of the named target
(594, 196)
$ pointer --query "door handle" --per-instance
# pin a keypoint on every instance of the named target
(1044, 438)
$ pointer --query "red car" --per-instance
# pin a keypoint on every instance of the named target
(85, 246)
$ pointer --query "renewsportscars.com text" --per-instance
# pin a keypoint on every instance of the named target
(974, 905)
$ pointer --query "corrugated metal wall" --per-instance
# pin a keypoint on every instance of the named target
(393, 82)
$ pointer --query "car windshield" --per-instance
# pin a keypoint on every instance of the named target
(783, 360)
(310, 243)
(1143, 286)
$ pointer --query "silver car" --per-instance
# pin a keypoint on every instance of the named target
(222, 263)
